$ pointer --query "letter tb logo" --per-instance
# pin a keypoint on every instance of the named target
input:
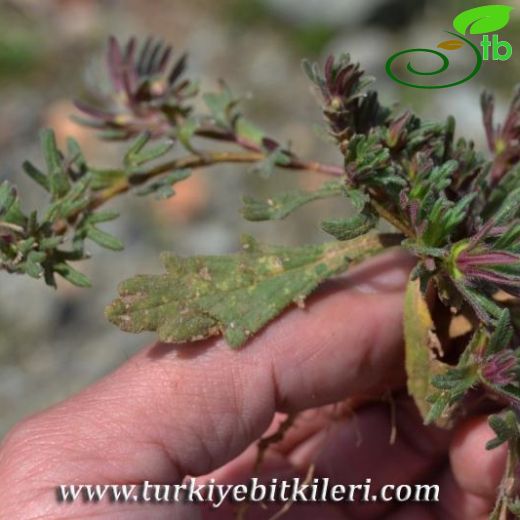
(500, 50)
(482, 20)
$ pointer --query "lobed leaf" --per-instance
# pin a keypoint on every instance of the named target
(234, 295)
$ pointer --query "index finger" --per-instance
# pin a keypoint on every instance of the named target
(177, 410)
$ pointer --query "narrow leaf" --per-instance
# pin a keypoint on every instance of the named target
(36, 175)
(58, 180)
(71, 275)
(281, 206)
(104, 239)
(163, 188)
(7, 197)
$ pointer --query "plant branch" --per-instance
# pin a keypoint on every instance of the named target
(203, 160)
(12, 227)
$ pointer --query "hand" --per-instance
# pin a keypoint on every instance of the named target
(177, 410)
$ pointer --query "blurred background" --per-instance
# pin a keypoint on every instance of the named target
(53, 343)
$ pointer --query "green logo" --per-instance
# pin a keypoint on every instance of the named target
(480, 20)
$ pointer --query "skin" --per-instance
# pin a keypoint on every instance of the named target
(177, 410)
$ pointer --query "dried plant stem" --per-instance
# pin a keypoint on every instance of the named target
(263, 445)
(266, 442)
(11, 227)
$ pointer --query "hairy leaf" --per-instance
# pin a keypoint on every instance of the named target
(505, 428)
(36, 175)
(104, 239)
(274, 157)
(234, 295)
(249, 132)
(349, 228)
(279, 207)
(58, 180)
(71, 275)
(163, 188)
(8, 197)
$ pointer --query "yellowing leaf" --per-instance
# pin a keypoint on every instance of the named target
(422, 345)
(450, 45)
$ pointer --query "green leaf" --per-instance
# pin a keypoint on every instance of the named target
(139, 154)
(152, 153)
(358, 198)
(58, 180)
(163, 188)
(221, 105)
(104, 239)
(503, 333)
(483, 19)
(234, 295)
(274, 158)
(510, 240)
(485, 308)
(102, 216)
(33, 265)
(26, 245)
(36, 175)
(76, 199)
(508, 209)
(75, 153)
(421, 347)
(50, 150)
(505, 427)
(511, 392)
(139, 143)
(309, 69)
(8, 197)
(437, 405)
(186, 131)
(249, 132)
(514, 507)
(50, 243)
(347, 229)
(105, 178)
(71, 275)
(281, 206)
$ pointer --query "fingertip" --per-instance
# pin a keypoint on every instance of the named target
(477, 470)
